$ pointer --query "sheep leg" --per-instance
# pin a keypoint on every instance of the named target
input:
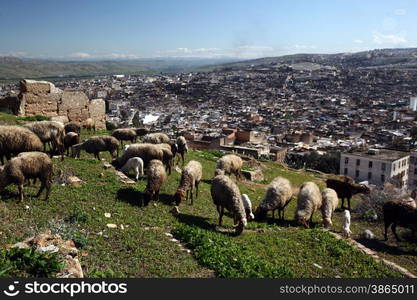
(41, 189)
(137, 173)
(220, 209)
(348, 203)
(393, 228)
(273, 214)
(192, 198)
(20, 186)
(98, 155)
(343, 203)
(196, 186)
(157, 196)
(386, 231)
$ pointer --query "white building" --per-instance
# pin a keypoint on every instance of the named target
(412, 171)
(413, 103)
(376, 166)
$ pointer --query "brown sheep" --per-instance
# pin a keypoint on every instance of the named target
(17, 139)
(397, 213)
(89, 124)
(145, 151)
(182, 148)
(71, 139)
(156, 176)
(49, 132)
(29, 165)
(72, 127)
(97, 144)
(125, 134)
(167, 156)
(345, 189)
(141, 131)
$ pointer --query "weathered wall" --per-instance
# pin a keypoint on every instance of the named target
(44, 99)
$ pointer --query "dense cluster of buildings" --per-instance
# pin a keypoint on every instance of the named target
(274, 109)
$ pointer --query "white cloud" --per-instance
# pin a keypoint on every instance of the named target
(400, 12)
(358, 41)
(393, 39)
(79, 55)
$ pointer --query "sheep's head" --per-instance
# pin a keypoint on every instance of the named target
(260, 213)
(240, 225)
(302, 221)
(179, 197)
(147, 196)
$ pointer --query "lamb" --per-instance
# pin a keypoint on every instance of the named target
(346, 223)
(156, 176)
(145, 151)
(229, 164)
(17, 139)
(156, 138)
(135, 163)
(97, 144)
(125, 134)
(225, 194)
(49, 131)
(278, 195)
(346, 189)
(71, 139)
(90, 124)
(247, 204)
(182, 148)
(309, 200)
(398, 213)
(330, 203)
(72, 127)
(190, 178)
(26, 166)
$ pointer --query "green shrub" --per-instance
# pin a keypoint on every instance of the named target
(228, 259)
(20, 262)
(34, 118)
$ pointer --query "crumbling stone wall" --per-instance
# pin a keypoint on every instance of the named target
(44, 99)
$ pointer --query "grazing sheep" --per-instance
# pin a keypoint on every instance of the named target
(125, 134)
(226, 195)
(277, 196)
(72, 127)
(190, 178)
(398, 213)
(26, 166)
(182, 148)
(141, 131)
(229, 164)
(17, 139)
(247, 204)
(174, 149)
(346, 223)
(145, 151)
(156, 176)
(135, 163)
(89, 124)
(71, 139)
(156, 138)
(309, 200)
(167, 156)
(97, 144)
(49, 131)
(346, 189)
(330, 203)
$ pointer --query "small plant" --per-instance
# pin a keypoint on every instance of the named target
(228, 259)
(22, 262)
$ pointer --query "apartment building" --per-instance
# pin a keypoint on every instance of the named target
(412, 171)
(376, 166)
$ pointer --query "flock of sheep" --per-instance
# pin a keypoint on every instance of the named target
(156, 154)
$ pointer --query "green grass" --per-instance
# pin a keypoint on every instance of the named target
(142, 248)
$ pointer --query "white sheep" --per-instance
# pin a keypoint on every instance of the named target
(330, 202)
(229, 164)
(247, 204)
(134, 163)
(190, 179)
(309, 200)
(278, 195)
(226, 195)
(346, 223)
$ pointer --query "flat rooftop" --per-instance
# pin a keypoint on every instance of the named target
(382, 154)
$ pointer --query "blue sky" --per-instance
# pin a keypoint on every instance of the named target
(193, 28)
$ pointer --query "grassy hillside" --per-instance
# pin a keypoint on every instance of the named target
(142, 247)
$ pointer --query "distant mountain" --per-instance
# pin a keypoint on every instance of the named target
(391, 58)
(16, 68)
